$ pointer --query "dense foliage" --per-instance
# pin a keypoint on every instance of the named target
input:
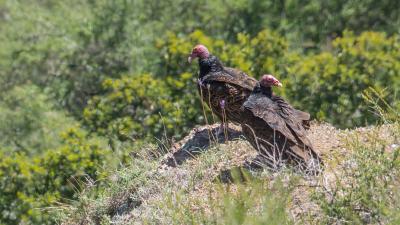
(329, 84)
(30, 184)
(115, 72)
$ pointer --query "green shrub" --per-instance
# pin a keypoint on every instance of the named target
(29, 121)
(142, 106)
(330, 85)
(28, 185)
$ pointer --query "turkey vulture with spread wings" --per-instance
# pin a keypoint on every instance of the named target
(273, 127)
(224, 89)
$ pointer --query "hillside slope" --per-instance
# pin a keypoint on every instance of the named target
(202, 180)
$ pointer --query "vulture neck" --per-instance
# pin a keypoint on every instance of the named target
(209, 64)
(265, 90)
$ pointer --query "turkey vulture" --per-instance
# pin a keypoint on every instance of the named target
(224, 89)
(275, 128)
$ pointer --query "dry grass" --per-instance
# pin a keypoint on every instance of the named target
(154, 191)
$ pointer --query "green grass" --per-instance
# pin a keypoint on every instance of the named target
(366, 184)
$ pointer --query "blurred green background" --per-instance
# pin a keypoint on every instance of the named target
(84, 83)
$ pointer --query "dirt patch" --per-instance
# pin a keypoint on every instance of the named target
(199, 140)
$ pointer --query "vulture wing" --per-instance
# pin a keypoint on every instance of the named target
(300, 116)
(263, 108)
(232, 86)
(242, 79)
(281, 117)
(233, 77)
(290, 115)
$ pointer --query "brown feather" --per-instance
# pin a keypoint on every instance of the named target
(272, 126)
(230, 85)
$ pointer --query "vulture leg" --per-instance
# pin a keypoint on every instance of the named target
(223, 128)
(220, 129)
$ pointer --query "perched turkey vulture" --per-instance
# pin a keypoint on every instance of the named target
(275, 128)
(224, 89)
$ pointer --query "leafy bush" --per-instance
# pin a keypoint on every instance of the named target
(29, 122)
(37, 49)
(142, 106)
(30, 184)
(330, 85)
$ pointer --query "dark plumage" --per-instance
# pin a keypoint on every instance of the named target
(224, 89)
(275, 128)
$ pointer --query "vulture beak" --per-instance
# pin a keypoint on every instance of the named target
(279, 84)
(190, 59)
